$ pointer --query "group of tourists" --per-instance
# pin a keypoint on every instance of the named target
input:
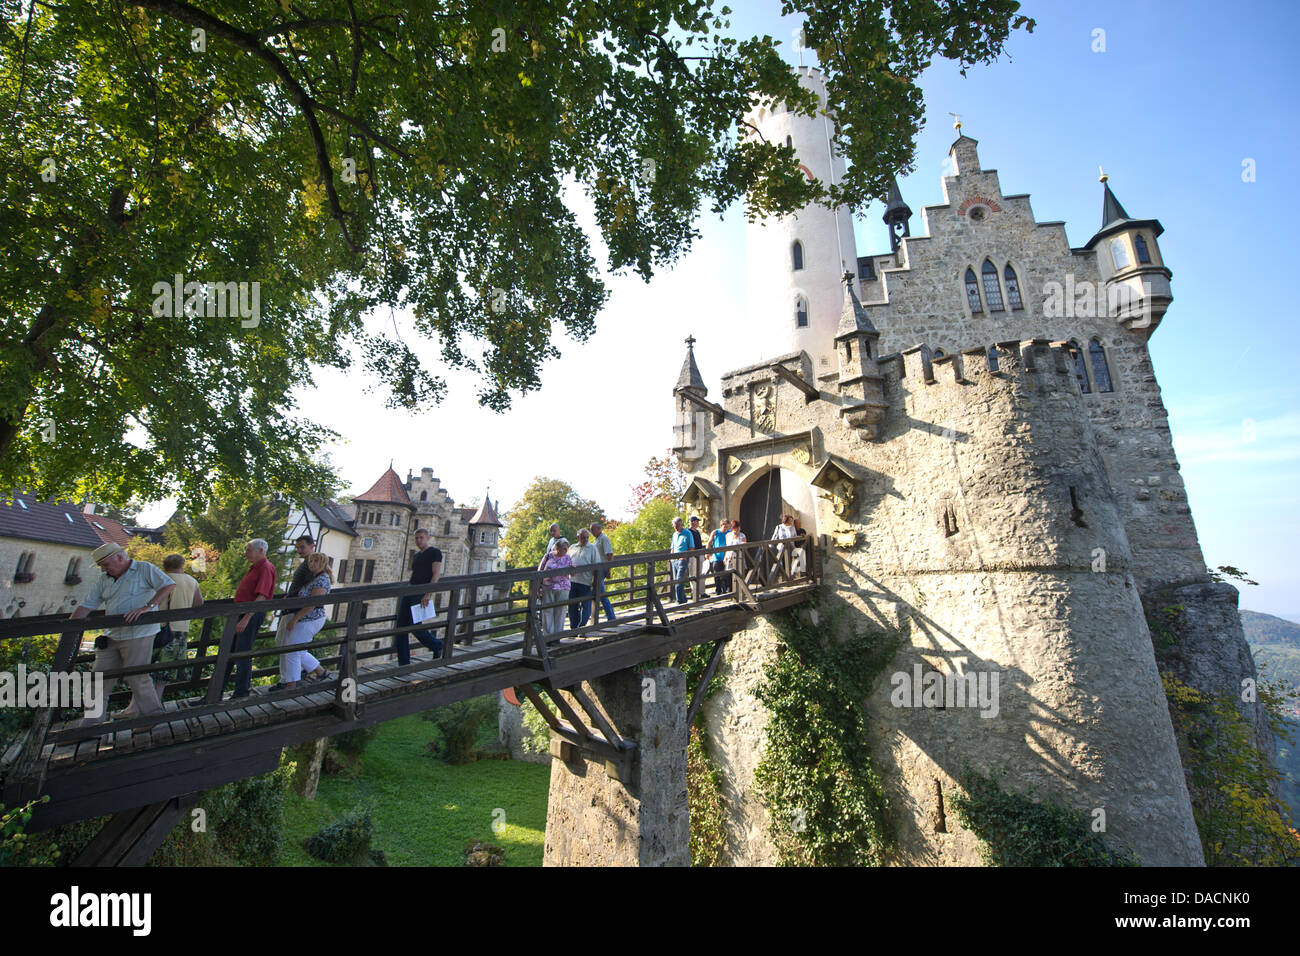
(131, 588)
(593, 547)
(722, 564)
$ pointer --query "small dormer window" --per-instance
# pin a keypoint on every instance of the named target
(797, 254)
(1144, 254)
(801, 313)
(973, 292)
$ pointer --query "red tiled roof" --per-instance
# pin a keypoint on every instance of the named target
(388, 489)
(109, 531)
(486, 514)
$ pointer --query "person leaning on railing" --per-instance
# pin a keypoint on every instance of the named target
(555, 588)
(129, 588)
(606, 549)
(721, 580)
(257, 584)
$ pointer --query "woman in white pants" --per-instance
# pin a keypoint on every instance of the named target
(304, 626)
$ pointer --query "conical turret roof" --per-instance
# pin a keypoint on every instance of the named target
(690, 377)
(486, 514)
(1114, 218)
(388, 489)
(895, 209)
(853, 317)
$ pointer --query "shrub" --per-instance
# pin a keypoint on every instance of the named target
(478, 853)
(459, 723)
(346, 840)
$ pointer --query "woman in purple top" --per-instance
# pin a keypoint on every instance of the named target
(555, 589)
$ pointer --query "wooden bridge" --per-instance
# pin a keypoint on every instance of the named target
(147, 771)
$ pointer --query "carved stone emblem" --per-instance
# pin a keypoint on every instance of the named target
(734, 465)
(801, 455)
(764, 412)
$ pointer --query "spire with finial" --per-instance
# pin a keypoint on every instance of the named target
(690, 376)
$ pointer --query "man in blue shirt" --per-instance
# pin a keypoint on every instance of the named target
(721, 578)
(682, 541)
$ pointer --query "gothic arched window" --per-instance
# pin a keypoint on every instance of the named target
(447, 530)
(973, 292)
(1100, 369)
(1013, 288)
(801, 312)
(992, 291)
(993, 358)
(797, 253)
(1144, 254)
(1080, 370)
(789, 141)
(424, 496)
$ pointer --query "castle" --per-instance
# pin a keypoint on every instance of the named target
(972, 423)
(372, 539)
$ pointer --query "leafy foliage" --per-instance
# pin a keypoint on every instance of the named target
(664, 478)
(544, 501)
(650, 530)
(345, 841)
(346, 157)
(704, 799)
(827, 803)
(459, 723)
(1015, 830)
(15, 847)
(1231, 783)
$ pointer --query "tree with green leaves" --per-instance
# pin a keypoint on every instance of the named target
(545, 501)
(650, 530)
(231, 522)
(201, 200)
(664, 478)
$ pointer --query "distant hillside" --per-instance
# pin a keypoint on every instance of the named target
(1275, 645)
(1267, 629)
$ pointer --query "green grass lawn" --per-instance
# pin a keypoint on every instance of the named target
(424, 809)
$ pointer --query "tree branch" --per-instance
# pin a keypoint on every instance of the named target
(185, 13)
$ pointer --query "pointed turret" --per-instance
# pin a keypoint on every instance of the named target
(690, 377)
(862, 387)
(486, 514)
(1128, 259)
(896, 216)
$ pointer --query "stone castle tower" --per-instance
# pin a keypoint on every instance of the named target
(978, 436)
(385, 518)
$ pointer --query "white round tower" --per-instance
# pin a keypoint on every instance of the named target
(794, 264)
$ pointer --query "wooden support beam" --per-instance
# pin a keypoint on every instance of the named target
(594, 714)
(698, 697)
(130, 836)
(810, 393)
(719, 413)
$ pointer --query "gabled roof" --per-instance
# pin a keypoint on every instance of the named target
(60, 523)
(387, 490)
(331, 515)
(486, 514)
(107, 529)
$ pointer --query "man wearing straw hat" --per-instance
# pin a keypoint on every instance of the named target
(130, 588)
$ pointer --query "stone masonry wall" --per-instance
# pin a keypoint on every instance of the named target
(977, 523)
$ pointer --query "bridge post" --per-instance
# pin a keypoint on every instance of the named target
(631, 812)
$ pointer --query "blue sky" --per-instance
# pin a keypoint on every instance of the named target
(1182, 95)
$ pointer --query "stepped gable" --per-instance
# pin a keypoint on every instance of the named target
(60, 522)
(387, 490)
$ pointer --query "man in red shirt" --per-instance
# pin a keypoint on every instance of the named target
(257, 584)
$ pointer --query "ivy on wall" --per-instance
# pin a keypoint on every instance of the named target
(827, 802)
(1016, 830)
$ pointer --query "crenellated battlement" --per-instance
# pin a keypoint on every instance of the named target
(1043, 361)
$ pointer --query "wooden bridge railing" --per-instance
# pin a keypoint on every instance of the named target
(639, 586)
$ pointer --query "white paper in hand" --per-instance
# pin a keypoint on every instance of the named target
(420, 614)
